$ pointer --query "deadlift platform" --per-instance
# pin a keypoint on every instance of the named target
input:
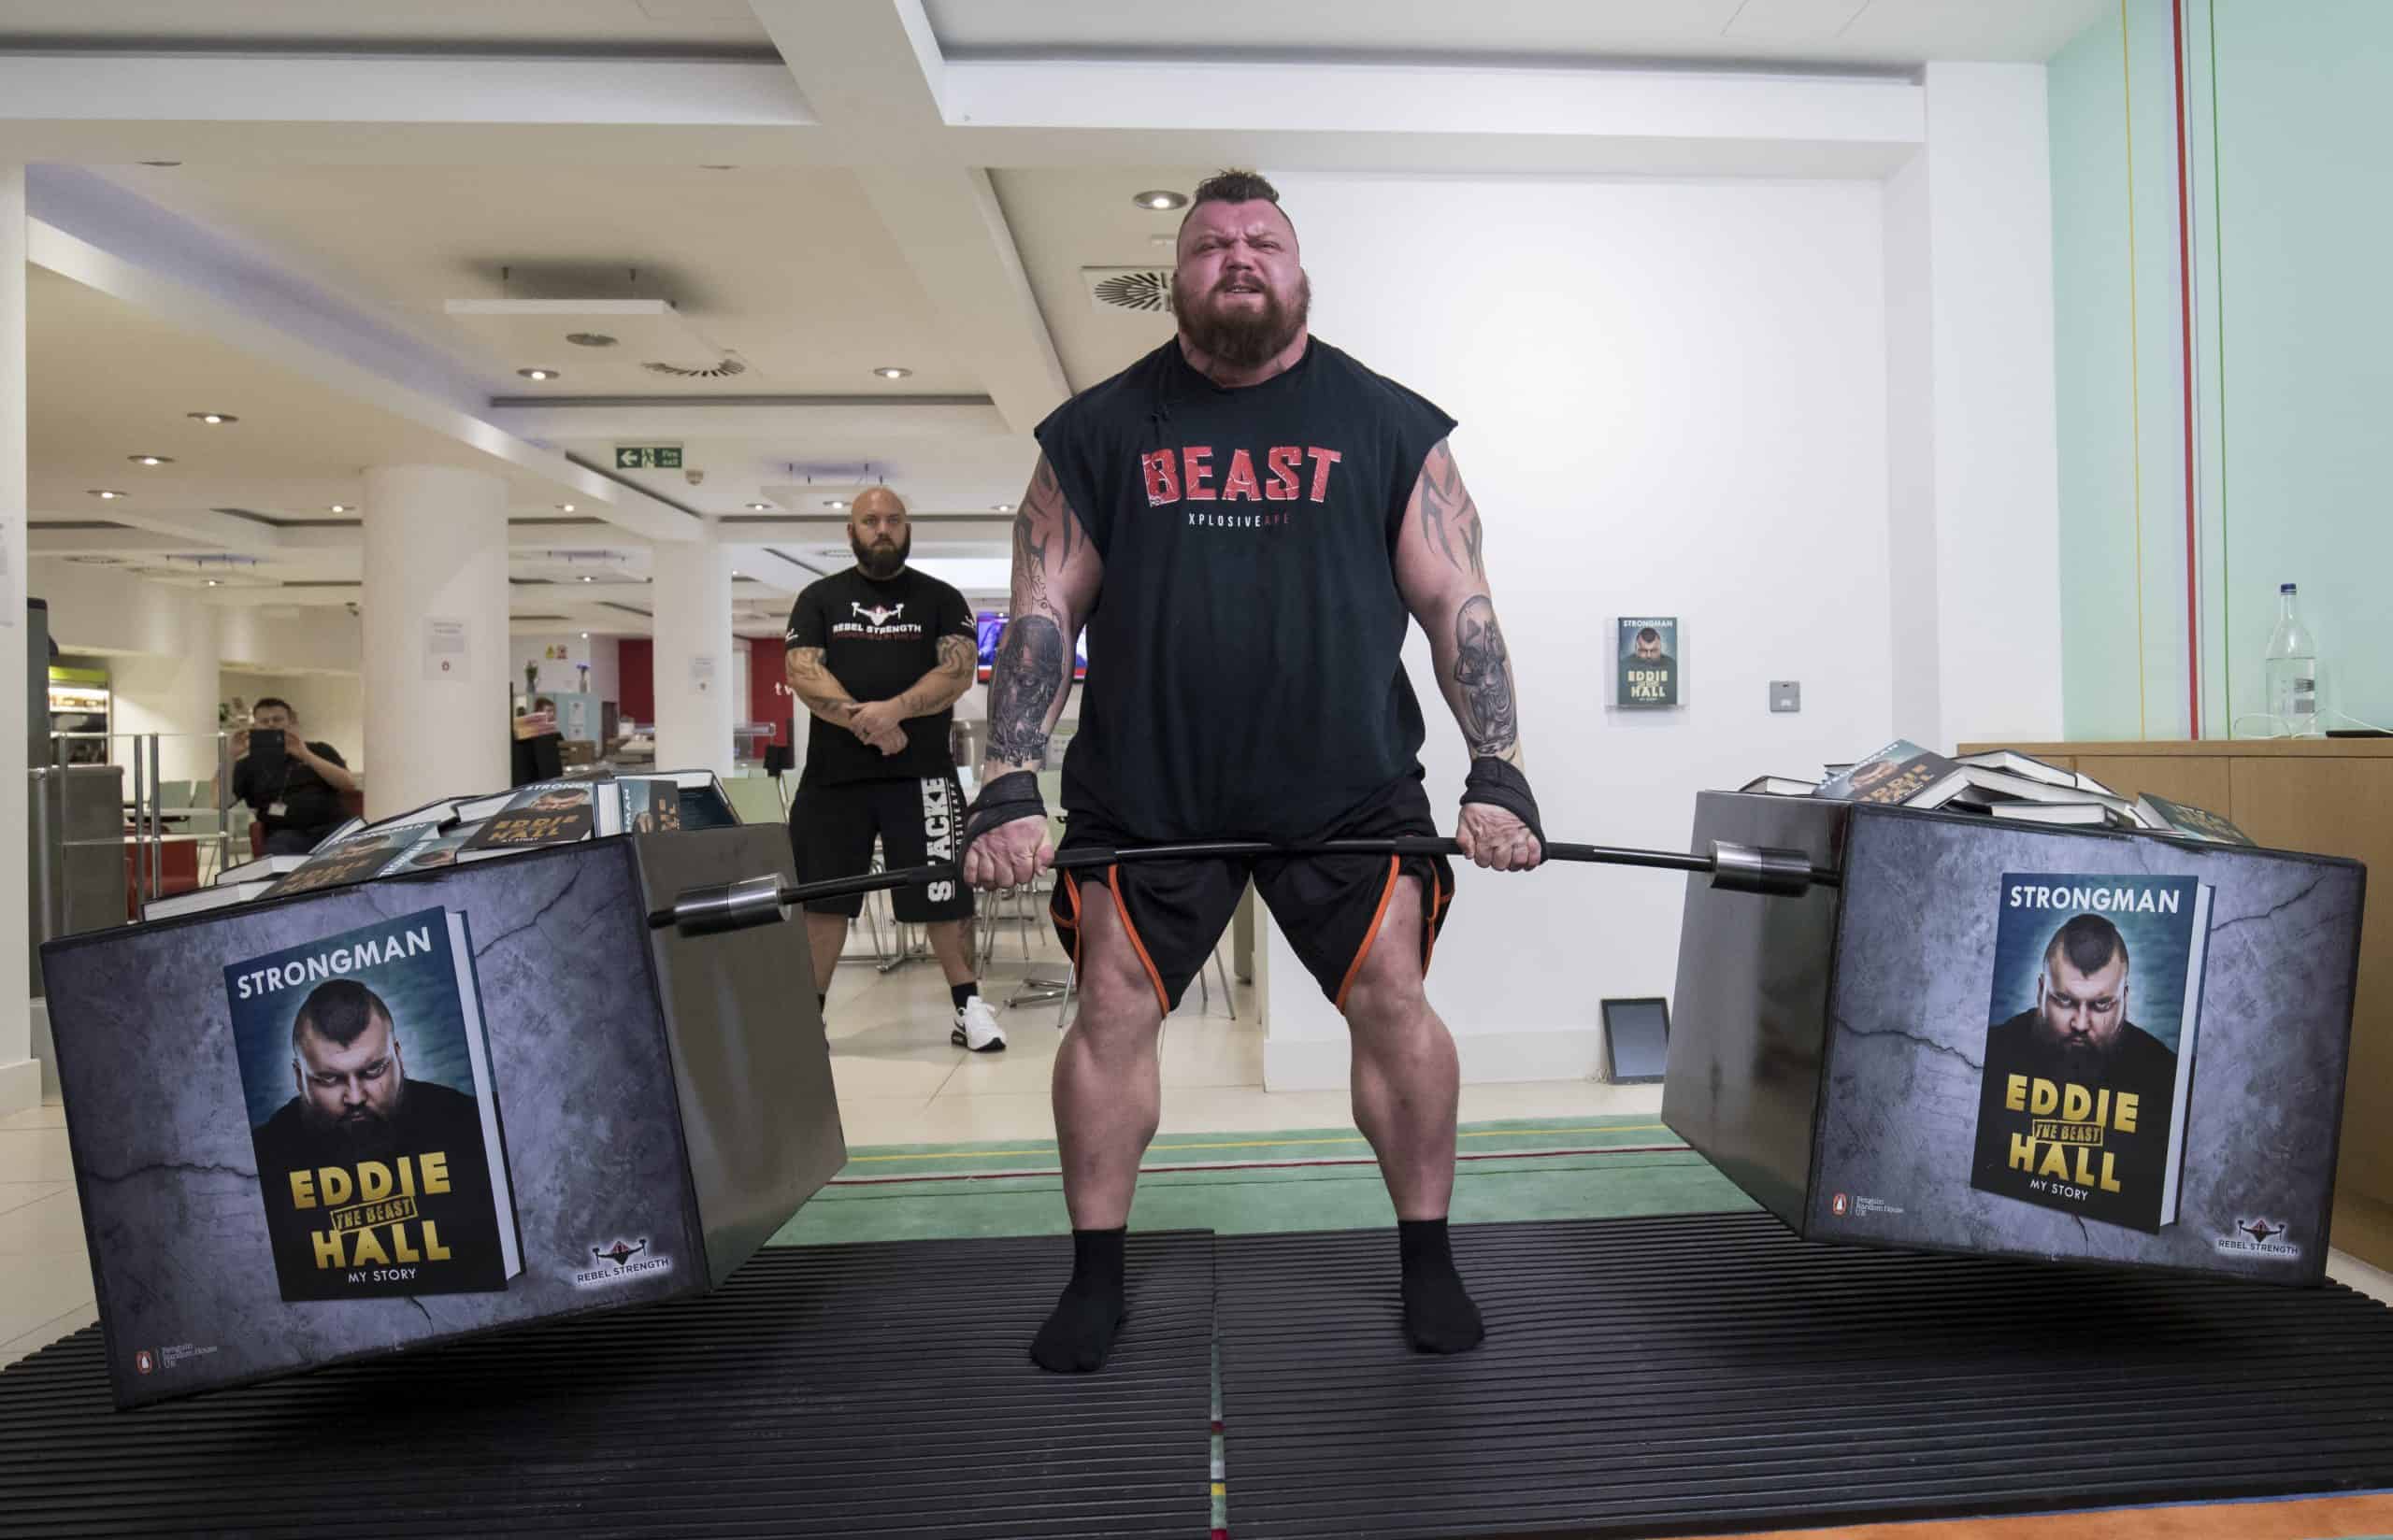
(1672, 1374)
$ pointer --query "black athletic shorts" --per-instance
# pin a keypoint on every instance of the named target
(918, 822)
(1329, 908)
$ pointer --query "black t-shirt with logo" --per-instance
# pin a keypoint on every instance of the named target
(1245, 676)
(877, 639)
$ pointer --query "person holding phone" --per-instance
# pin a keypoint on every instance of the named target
(293, 785)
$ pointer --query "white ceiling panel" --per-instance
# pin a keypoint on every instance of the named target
(560, 25)
(1886, 32)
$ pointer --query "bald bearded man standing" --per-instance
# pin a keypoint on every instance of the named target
(879, 654)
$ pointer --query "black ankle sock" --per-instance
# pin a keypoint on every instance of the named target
(1079, 1332)
(961, 993)
(1439, 1315)
(822, 998)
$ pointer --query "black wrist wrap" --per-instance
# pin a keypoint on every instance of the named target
(1499, 783)
(1010, 796)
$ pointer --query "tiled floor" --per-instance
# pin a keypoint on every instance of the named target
(900, 1083)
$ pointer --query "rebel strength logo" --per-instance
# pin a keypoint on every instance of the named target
(619, 1260)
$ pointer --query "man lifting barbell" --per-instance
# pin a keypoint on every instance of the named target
(1259, 513)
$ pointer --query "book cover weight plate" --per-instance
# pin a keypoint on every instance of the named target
(1913, 992)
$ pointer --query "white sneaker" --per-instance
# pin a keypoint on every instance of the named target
(976, 1028)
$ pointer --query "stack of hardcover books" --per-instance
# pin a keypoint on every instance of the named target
(470, 829)
(2001, 783)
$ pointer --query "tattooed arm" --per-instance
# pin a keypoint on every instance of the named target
(810, 682)
(1439, 571)
(1443, 577)
(881, 723)
(1056, 578)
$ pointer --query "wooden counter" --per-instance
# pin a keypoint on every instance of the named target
(2331, 796)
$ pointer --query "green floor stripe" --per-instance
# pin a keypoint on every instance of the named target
(1253, 1201)
(1295, 1144)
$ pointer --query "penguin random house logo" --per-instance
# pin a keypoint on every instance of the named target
(1845, 1206)
(2255, 1238)
(621, 1259)
(146, 1362)
(1838, 1204)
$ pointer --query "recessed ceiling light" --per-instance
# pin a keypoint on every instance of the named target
(212, 582)
(565, 507)
(151, 458)
(587, 578)
(1157, 199)
(212, 419)
(537, 374)
(1001, 507)
(340, 507)
(760, 508)
(105, 495)
(891, 371)
(834, 503)
(585, 635)
(590, 339)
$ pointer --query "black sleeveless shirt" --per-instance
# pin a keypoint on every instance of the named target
(1245, 677)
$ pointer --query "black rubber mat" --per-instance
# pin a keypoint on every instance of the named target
(1698, 1373)
(878, 1389)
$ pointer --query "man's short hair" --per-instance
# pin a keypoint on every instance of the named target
(1236, 186)
(2089, 941)
(1649, 634)
(264, 701)
(338, 1011)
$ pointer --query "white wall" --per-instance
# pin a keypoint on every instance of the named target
(1992, 409)
(1673, 401)
(106, 610)
(19, 1077)
(175, 697)
(563, 673)
(1912, 601)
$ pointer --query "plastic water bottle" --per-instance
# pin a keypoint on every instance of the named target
(2292, 671)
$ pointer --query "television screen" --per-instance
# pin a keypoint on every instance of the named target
(991, 625)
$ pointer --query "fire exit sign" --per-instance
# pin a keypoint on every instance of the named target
(648, 457)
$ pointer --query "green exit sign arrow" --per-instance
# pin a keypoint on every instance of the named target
(648, 457)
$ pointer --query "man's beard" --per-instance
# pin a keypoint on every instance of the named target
(364, 1134)
(881, 563)
(1247, 338)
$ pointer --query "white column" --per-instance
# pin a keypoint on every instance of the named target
(175, 695)
(696, 703)
(20, 1076)
(1973, 447)
(436, 636)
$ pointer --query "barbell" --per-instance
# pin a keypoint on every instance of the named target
(715, 908)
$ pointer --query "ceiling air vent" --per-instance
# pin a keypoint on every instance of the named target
(97, 561)
(1141, 289)
(723, 369)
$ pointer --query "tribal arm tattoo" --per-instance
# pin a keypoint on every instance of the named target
(1056, 578)
(809, 680)
(1442, 574)
(1448, 514)
(959, 659)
